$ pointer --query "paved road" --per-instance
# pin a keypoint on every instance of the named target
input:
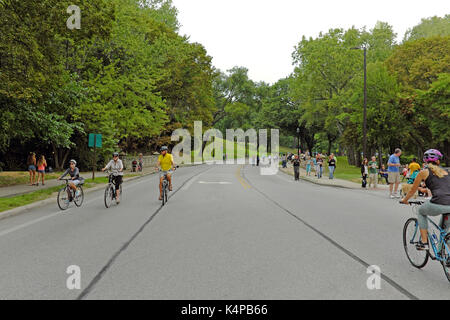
(226, 233)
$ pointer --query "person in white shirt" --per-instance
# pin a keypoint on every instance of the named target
(116, 167)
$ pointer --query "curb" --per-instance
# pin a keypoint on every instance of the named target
(321, 184)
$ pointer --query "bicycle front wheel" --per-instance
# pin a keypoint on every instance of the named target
(63, 199)
(109, 194)
(78, 200)
(445, 254)
(411, 236)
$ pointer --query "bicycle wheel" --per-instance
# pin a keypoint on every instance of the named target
(63, 199)
(109, 194)
(164, 190)
(79, 200)
(411, 236)
(445, 254)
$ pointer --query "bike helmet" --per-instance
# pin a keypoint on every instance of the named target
(432, 155)
(164, 148)
(115, 154)
(73, 161)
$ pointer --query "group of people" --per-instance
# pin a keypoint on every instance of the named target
(316, 162)
(38, 166)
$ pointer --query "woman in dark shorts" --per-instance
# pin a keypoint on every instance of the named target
(31, 162)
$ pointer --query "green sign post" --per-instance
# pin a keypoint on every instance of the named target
(95, 141)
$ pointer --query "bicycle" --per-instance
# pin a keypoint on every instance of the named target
(165, 186)
(110, 190)
(439, 249)
(67, 195)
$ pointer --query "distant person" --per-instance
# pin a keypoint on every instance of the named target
(31, 162)
(41, 165)
(296, 165)
(331, 166)
(364, 172)
(319, 161)
(316, 168)
(413, 166)
(394, 173)
(384, 173)
(309, 163)
(141, 162)
(373, 172)
(75, 179)
(284, 161)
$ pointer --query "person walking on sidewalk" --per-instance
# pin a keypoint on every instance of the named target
(296, 165)
(364, 172)
(41, 165)
(309, 163)
(373, 173)
(31, 162)
(331, 166)
(319, 166)
(394, 173)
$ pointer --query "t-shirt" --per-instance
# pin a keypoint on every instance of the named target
(73, 174)
(115, 167)
(393, 159)
(372, 167)
(414, 166)
(332, 163)
(165, 161)
(296, 162)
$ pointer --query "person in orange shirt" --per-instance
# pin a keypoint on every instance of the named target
(41, 165)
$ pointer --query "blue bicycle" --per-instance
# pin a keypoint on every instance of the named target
(439, 246)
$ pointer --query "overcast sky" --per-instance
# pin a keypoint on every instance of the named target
(261, 34)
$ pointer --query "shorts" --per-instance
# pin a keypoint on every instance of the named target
(76, 182)
(162, 173)
(41, 171)
(31, 167)
(393, 177)
(118, 181)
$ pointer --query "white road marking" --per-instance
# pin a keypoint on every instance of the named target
(211, 182)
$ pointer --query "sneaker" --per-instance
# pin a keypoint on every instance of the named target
(77, 194)
(422, 246)
(392, 196)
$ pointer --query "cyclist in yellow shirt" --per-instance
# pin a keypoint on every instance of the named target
(165, 161)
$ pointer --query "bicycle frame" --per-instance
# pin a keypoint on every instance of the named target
(442, 236)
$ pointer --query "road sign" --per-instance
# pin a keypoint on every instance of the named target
(95, 140)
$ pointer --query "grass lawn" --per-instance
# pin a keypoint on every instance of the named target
(24, 199)
(345, 171)
(11, 178)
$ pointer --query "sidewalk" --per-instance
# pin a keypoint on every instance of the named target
(331, 182)
(26, 188)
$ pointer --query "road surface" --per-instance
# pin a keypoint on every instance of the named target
(226, 233)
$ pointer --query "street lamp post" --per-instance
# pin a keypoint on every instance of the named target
(365, 100)
(298, 142)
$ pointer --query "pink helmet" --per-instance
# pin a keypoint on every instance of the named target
(432, 155)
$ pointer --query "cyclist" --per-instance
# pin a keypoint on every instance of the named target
(75, 176)
(165, 160)
(116, 167)
(438, 182)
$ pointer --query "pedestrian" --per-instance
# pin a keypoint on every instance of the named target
(283, 161)
(384, 173)
(364, 172)
(31, 162)
(331, 165)
(41, 165)
(296, 164)
(314, 159)
(413, 166)
(394, 173)
(319, 166)
(309, 162)
(373, 173)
